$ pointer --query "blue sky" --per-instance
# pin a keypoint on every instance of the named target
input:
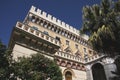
(11, 11)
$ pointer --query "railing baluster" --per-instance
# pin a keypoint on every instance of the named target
(36, 33)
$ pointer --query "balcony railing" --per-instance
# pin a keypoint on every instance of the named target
(78, 59)
(93, 58)
(69, 56)
(37, 33)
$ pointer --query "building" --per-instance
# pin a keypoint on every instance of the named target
(43, 33)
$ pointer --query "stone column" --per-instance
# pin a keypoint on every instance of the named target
(89, 72)
(109, 67)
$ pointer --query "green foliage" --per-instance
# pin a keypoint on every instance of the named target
(102, 23)
(36, 67)
(5, 68)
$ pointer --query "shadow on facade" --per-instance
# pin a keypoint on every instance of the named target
(117, 72)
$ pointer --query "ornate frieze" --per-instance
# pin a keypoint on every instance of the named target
(70, 64)
(108, 60)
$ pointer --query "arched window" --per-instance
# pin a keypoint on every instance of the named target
(68, 75)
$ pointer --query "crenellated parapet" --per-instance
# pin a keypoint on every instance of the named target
(49, 22)
(54, 20)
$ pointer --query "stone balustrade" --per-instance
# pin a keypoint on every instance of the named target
(78, 59)
(37, 33)
(69, 56)
(93, 58)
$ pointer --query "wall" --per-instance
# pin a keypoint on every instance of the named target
(108, 65)
(76, 74)
(19, 51)
(63, 40)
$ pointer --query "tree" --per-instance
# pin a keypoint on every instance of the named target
(5, 58)
(102, 24)
(36, 67)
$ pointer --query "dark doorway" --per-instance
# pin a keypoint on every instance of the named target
(98, 72)
(68, 75)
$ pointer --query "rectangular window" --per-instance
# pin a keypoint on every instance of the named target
(57, 38)
(33, 27)
(76, 46)
(85, 50)
(67, 42)
(90, 52)
(45, 32)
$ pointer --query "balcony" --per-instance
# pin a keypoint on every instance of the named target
(69, 56)
(94, 58)
(42, 37)
(78, 59)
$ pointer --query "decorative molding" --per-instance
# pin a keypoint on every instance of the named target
(88, 67)
(108, 60)
(70, 64)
